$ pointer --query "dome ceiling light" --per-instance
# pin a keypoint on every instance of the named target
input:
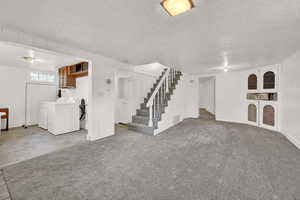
(30, 59)
(176, 7)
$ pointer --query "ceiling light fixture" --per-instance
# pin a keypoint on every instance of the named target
(176, 7)
(29, 59)
(226, 69)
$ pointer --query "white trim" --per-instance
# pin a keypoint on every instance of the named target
(289, 138)
(90, 138)
(292, 140)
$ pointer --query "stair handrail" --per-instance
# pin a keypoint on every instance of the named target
(165, 76)
(150, 101)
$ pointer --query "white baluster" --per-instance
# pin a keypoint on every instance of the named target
(161, 98)
(163, 91)
(157, 108)
(167, 86)
(158, 99)
(150, 116)
(173, 77)
(174, 74)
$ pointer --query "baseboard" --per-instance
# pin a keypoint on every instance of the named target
(289, 138)
(292, 140)
(90, 138)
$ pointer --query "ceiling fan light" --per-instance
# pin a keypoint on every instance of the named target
(29, 59)
(176, 7)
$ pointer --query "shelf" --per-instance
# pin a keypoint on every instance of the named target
(79, 74)
(68, 74)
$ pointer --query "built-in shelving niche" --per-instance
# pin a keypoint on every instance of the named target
(269, 80)
(252, 82)
(269, 115)
(263, 96)
(252, 113)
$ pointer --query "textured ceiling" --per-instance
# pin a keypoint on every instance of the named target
(12, 56)
(244, 33)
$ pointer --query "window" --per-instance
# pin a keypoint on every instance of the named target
(42, 77)
(269, 80)
(252, 82)
(252, 113)
(269, 115)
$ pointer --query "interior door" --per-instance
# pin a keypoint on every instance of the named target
(125, 100)
(35, 94)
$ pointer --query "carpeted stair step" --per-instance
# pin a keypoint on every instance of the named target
(143, 105)
(140, 119)
(142, 112)
(141, 128)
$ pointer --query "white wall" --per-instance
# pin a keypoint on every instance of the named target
(207, 94)
(183, 103)
(102, 100)
(12, 95)
(12, 86)
(81, 90)
(231, 90)
(290, 98)
(139, 84)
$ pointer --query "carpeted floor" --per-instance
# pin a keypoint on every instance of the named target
(196, 160)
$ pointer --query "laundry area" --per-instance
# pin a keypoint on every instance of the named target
(43, 102)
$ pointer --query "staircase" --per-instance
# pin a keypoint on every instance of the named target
(151, 111)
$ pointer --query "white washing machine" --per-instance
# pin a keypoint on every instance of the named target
(60, 117)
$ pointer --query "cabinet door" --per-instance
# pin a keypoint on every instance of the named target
(85, 66)
(61, 77)
(269, 114)
(70, 80)
(65, 77)
(253, 112)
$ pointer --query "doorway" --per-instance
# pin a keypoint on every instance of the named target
(29, 79)
(207, 95)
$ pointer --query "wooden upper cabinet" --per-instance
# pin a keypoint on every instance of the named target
(68, 74)
(66, 80)
(79, 70)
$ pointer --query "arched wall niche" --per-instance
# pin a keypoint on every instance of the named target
(252, 82)
(269, 115)
(252, 113)
(269, 80)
